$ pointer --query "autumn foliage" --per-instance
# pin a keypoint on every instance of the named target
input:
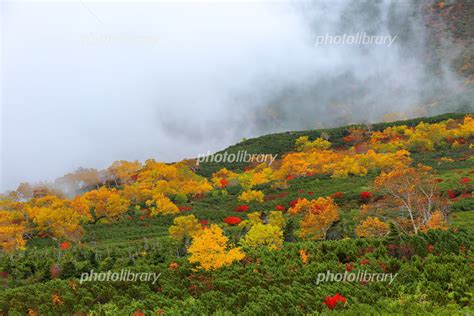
(413, 191)
(318, 217)
(209, 249)
(372, 227)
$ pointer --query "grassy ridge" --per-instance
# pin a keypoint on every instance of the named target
(435, 272)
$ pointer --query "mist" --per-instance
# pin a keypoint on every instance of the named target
(87, 83)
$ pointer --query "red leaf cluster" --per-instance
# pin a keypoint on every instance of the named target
(242, 208)
(331, 301)
(232, 220)
(365, 195)
(279, 208)
(64, 245)
(224, 183)
(337, 195)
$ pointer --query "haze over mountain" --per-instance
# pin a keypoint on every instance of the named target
(98, 82)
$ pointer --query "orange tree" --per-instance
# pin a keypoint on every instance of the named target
(412, 192)
(318, 217)
(105, 203)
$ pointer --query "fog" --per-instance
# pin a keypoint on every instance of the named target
(86, 83)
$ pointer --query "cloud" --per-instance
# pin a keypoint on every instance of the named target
(170, 80)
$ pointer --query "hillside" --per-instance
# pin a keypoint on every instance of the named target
(331, 174)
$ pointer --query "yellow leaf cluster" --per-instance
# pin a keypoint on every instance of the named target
(251, 195)
(275, 218)
(210, 250)
(184, 227)
(12, 228)
(423, 137)
(339, 164)
(163, 205)
(106, 203)
(437, 221)
(268, 235)
(62, 223)
(303, 144)
(372, 227)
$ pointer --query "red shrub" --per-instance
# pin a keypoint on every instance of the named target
(337, 195)
(349, 267)
(365, 195)
(279, 208)
(430, 248)
(64, 245)
(364, 261)
(224, 183)
(232, 220)
(331, 301)
(293, 203)
(465, 180)
(242, 208)
(452, 194)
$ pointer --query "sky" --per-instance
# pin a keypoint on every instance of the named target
(85, 83)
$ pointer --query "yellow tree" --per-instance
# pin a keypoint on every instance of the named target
(318, 218)
(162, 205)
(50, 201)
(372, 227)
(105, 203)
(80, 206)
(276, 218)
(12, 229)
(268, 235)
(123, 171)
(60, 223)
(303, 144)
(171, 179)
(210, 250)
(184, 228)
